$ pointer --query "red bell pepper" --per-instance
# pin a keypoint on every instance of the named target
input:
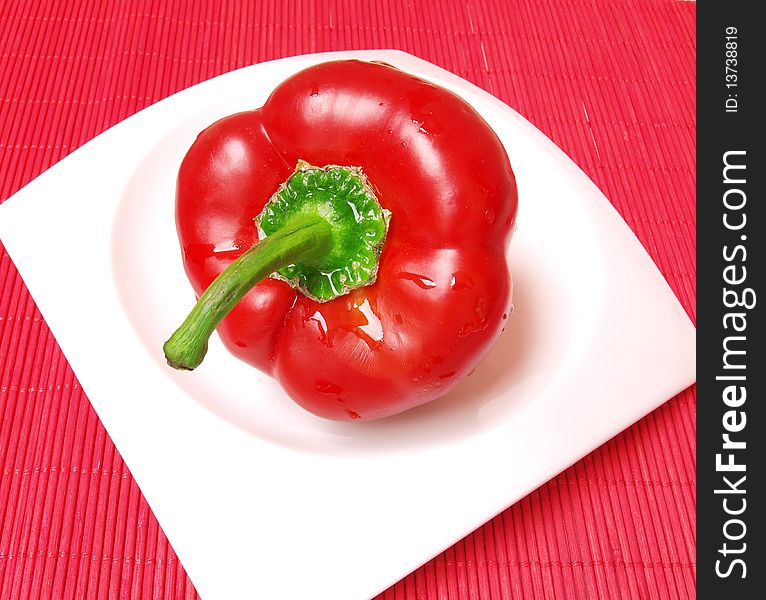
(348, 338)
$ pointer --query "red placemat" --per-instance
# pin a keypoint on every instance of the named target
(610, 81)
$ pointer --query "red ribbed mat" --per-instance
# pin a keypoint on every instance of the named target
(610, 81)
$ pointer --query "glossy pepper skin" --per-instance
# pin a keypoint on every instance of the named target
(443, 288)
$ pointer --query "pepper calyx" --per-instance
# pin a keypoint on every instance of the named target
(345, 199)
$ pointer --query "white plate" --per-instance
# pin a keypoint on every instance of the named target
(260, 499)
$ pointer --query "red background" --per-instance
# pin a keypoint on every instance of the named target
(610, 81)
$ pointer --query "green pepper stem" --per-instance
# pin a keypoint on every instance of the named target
(304, 242)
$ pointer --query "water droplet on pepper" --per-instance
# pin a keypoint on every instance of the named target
(479, 322)
(354, 415)
(360, 319)
(461, 281)
(318, 318)
(373, 329)
(421, 281)
(323, 386)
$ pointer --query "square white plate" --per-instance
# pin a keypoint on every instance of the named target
(262, 500)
